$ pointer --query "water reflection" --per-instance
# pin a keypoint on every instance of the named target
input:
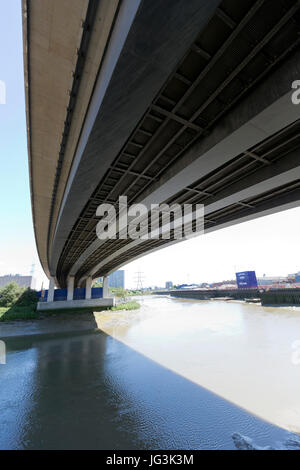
(91, 391)
(240, 351)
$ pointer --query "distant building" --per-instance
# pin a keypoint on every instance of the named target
(221, 284)
(169, 285)
(293, 278)
(117, 279)
(22, 281)
(269, 280)
(188, 286)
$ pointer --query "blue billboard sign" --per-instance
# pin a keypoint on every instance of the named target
(246, 280)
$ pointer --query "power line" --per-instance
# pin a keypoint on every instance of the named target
(32, 270)
(139, 278)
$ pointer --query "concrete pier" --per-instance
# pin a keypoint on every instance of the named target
(88, 288)
(51, 290)
(70, 293)
(105, 286)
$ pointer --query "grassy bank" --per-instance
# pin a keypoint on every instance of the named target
(17, 303)
(21, 304)
(133, 305)
(17, 312)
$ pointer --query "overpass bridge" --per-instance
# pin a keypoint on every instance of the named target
(164, 102)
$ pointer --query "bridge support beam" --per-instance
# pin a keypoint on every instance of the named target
(105, 287)
(88, 288)
(70, 292)
(51, 290)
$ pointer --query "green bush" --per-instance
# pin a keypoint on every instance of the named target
(10, 294)
(127, 306)
(98, 284)
(18, 313)
(28, 298)
(119, 292)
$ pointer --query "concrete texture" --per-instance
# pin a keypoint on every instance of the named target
(52, 49)
(100, 35)
(50, 56)
(73, 304)
(266, 110)
(133, 50)
(149, 55)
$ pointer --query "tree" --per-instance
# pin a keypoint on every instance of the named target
(28, 297)
(10, 294)
(119, 292)
(98, 284)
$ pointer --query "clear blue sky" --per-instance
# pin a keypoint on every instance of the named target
(270, 245)
(17, 250)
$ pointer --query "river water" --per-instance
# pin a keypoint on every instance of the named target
(174, 374)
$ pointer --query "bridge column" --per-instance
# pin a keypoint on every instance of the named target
(105, 287)
(70, 292)
(50, 297)
(88, 288)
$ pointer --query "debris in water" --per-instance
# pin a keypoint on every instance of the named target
(246, 443)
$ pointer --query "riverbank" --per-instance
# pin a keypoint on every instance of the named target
(271, 297)
(62, 323)
(58, 321)
(30, 322)
(18, 313)
(252, 302)
(30, 312)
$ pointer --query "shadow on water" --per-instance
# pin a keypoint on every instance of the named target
(90, 391)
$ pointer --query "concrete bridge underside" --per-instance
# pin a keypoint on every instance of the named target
(169, 101)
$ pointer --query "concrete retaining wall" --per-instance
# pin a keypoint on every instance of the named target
(268, 297)
(238, 294)
(74, 304)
